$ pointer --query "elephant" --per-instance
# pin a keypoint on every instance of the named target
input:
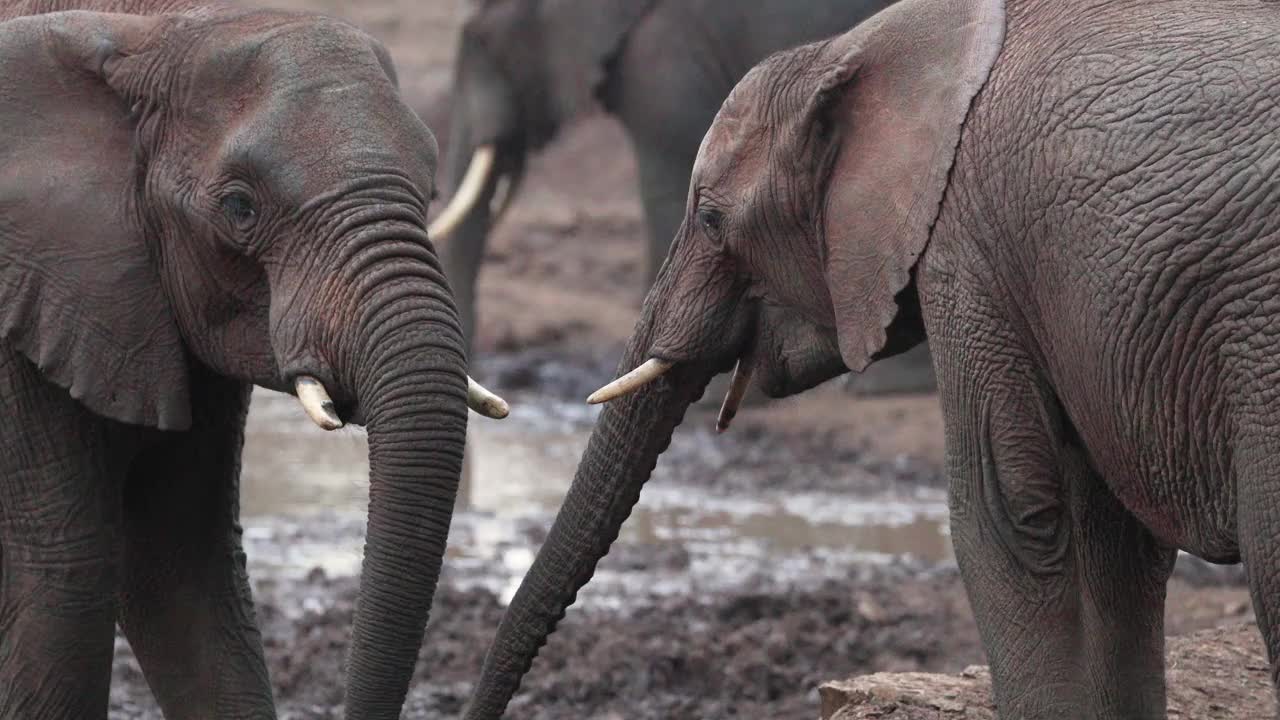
(526, 68)
(196, 199)
(1076, 204)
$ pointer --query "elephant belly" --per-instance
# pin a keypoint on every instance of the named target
(1164, 433)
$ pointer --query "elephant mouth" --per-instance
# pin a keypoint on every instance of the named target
(329, 414)
(779, 353)
(655, 367)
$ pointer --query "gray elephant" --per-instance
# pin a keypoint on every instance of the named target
(1077, 203)
(526, 68)
(194, 199)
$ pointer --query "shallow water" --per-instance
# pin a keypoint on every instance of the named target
(518, 472)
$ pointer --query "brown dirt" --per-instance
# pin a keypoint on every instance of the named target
(748, 654)
(1218, 674)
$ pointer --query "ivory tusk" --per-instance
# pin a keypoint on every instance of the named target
(651, 370)
(468, 193)
(316, 401)
(503, 193)
(485, 402)
(738, 386)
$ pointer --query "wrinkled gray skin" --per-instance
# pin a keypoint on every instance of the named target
(194, 201)
(1079, 201)
(527, 68)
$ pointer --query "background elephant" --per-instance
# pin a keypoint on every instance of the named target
(195, 199)
(1077, 204)
(526, 68)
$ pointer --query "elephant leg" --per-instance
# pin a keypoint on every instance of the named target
(1122, 572)
(1066, 586)
(1258, 486)
(59, 536)
(185, 603)
(461, 256)
(664, 186)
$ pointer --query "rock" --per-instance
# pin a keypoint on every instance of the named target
(1214, 674)
(913, 696)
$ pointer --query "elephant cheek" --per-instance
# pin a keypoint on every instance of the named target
(794, 356)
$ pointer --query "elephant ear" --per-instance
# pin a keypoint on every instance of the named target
(583, 37)
(897, 93)
(79, 294)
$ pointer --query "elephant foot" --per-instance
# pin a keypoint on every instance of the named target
(910, 373)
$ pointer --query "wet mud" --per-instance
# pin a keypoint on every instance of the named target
(759, 564)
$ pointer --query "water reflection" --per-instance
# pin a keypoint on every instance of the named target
(522, 467)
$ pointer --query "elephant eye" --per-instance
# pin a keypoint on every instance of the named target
(239, 209)
(711, 220)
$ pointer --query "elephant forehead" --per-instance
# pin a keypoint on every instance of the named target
(732, 153)
(312, 105)
(242, 54)
(308, 144)
(255, 46)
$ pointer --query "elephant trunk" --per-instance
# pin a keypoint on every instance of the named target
(484, 166)
(486, 178)
(411, 385)
(620, 457)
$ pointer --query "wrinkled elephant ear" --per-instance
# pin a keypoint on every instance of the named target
(897, 94)
(79, 294)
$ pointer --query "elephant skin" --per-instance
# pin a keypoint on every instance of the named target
(1075, 202)
(197, 198)
(527, 68)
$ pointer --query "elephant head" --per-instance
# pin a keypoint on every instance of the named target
(812, 199)
(244, 191)
(524, 69)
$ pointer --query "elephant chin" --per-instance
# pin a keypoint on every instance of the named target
(803, 355)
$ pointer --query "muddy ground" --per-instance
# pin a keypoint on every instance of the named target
(807, 545)
(756, 647)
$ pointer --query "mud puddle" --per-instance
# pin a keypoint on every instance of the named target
(704, 512)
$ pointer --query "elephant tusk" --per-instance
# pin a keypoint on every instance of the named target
(651, 370)
(485, 402)
(316, 401)
(469, 192)
(504, 192)
(733, 396)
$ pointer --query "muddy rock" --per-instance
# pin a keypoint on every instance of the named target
(1219, 673)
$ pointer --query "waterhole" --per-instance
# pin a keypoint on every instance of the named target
(518, 472)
